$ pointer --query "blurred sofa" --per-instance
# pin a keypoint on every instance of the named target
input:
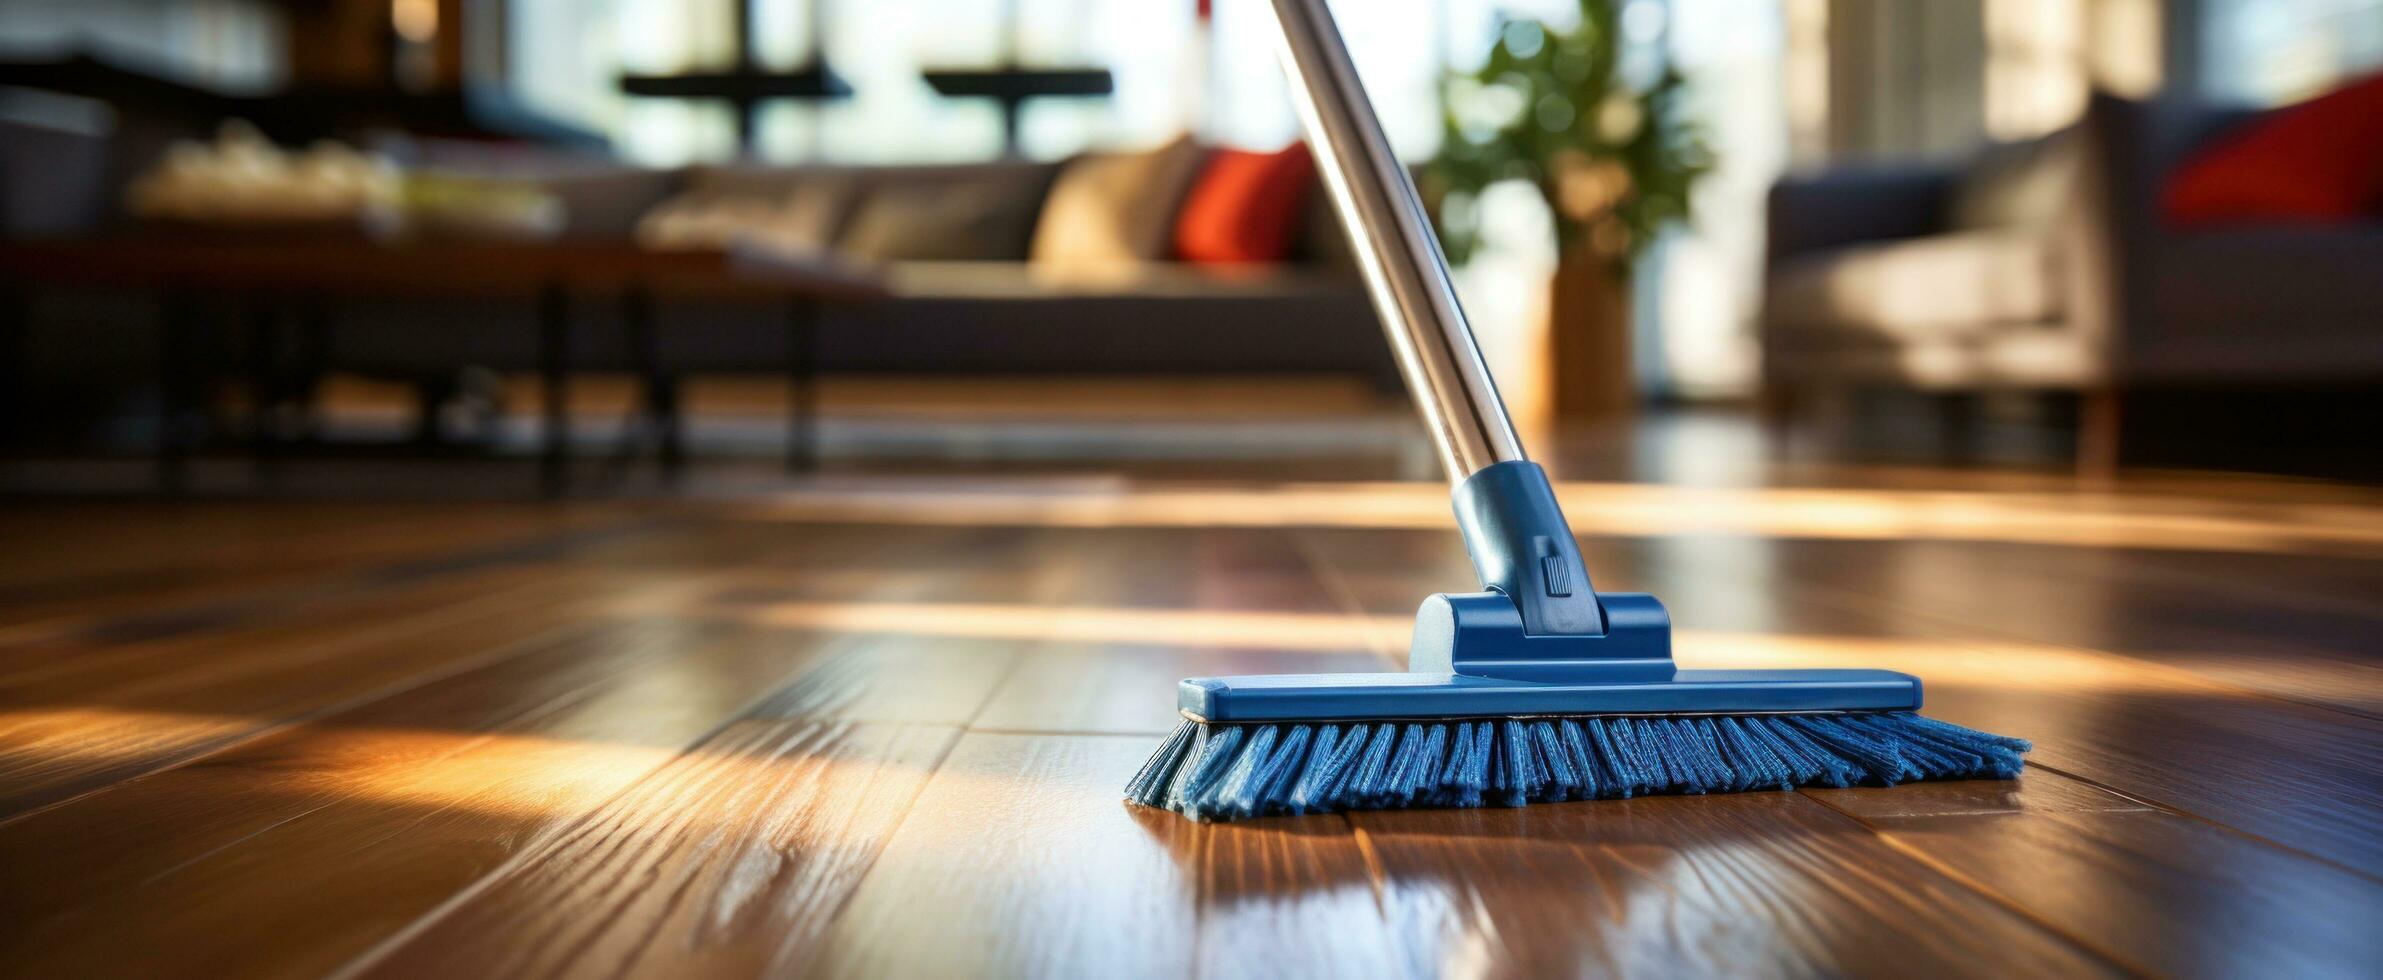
(956, 244)
(982, 285)
(2045, 266)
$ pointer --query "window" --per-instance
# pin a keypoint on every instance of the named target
(2270, 52)
(1171, 72)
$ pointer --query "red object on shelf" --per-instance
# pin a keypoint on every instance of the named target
(2321, 160)
(1245, 207)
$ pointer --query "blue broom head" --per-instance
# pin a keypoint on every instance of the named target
(1489, 714)
(1233, 771)
(1537, 690)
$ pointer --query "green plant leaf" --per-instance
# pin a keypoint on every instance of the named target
(1563, 83)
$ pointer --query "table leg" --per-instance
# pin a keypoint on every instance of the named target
(554, 367)
(266, 389)
(661, 393)
(310, 359)
(177, 326)
(16, 339)
(802, 360)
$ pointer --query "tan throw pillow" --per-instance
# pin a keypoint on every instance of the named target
(812, 214)
(2026, 185)
(1108, 208)
(807, 215)
(987, 218)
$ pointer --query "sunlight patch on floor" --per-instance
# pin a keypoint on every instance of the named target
(1968, 663)
(2109, 520)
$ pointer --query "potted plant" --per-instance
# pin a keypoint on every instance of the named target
(1615, 162)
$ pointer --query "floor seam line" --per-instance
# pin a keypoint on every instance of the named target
(1978, 889)
(2213, 822)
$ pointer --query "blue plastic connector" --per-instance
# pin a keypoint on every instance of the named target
(1540, 641)
(1521, 547)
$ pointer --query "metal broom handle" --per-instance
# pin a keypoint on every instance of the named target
(1396, 249)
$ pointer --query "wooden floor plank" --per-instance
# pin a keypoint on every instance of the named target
(469, 773)
(729, 861)
(86, 561)
(1241, 569)
(1270, 897)
(78, 549)
(113, 664)
(1073, 882)
(312, 891)
(57, 742)
(154, 647)
(104, 711)
(2165, 893)
(2299, 775)
(2119, 602)
(2302, 776)
(920, 674)
(795, 785)
(1692, 886)
(737, 743)
(1137, 582)
(120, 837)
(1292, 898)
(1087, 688)
(2295, 581)
(2296, 777)
(900, 680)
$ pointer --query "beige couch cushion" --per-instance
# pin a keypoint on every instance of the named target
(2016, 358)
(983, 218)
(1940, 286)
(804, 215)
(1145, 280)
(1113, 208)
(2020, 186)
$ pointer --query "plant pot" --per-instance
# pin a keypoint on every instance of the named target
(1588, 339)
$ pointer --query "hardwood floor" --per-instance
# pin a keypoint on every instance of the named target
(873, 728)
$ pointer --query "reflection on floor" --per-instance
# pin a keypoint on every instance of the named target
(877, 726)
(1257, 428)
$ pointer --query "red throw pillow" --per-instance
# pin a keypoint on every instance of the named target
(1245, 207)
(2321, 160)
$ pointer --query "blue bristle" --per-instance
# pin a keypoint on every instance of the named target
(1703, 757)
(1149, 787)
(1272, 779)
(1607, 756)
(1656, 770)
(1719, 775)
(1226, 772)
(1554, 761)
(1660, 743)
(1510, 767)
(1621, 755)
(1231, 789)
(1456, 783)
(1426, 771)
(1881, 758)
(1762, 768)
(1827, 767)
(1480, 753)
(1328, 766)
(1407, 763)
(1576, 757)
(1367, 783)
